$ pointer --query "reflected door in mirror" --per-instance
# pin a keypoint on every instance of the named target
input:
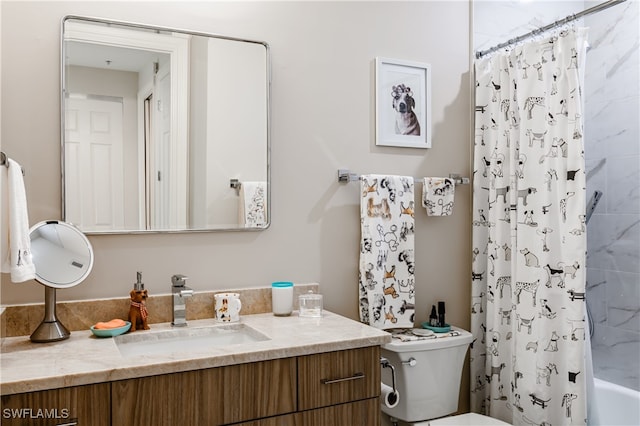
(93, 163)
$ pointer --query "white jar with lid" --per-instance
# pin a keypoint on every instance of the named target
(282, 298)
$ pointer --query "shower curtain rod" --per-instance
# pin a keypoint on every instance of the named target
(594, 9)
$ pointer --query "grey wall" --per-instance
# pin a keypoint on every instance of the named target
(323, 119)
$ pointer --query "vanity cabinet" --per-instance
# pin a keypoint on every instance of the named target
(332, 388)
(88, 405)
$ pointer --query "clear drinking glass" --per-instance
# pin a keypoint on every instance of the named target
(310, 305)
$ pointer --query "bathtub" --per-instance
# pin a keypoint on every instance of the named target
(614, 405)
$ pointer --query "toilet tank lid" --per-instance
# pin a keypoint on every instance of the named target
(440, 341)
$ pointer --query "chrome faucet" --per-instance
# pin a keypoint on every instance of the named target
(178, 293)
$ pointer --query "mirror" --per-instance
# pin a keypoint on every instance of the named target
(63, 257)
(163, 130)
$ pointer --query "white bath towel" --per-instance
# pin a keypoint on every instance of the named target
(438, 195)
(253, 204)
(387, 282)
(16, 244)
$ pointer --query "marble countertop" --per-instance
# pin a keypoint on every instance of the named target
(85, 359)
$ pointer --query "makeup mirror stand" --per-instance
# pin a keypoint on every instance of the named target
(50, 329)
(63, 257)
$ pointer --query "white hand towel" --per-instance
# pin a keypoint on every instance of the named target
(16, 244)
(253, 204)
(407, 335)
(437, 196)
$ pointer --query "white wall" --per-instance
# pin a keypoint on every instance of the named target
(322, 119)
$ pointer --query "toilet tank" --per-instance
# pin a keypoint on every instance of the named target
(430, 387)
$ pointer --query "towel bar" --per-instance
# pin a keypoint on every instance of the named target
(4, 161)
(235, 184)
(346, 176)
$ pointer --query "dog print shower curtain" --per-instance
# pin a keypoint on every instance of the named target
(529, 241)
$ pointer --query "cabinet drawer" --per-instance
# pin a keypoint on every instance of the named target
(359, 413)
(286, 420)
(338, 377)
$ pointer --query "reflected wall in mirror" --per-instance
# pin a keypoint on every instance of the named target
(164, 130)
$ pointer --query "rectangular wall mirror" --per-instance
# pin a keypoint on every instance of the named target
(163, 130)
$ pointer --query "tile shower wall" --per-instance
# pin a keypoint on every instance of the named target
(612, 153)
(612, 149)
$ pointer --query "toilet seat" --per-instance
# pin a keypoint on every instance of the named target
(469, 419)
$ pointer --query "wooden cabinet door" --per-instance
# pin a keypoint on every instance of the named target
(213, 396)
(360, 413)
(338, 377)
(168, 399)
(79, 405)
(256, 390)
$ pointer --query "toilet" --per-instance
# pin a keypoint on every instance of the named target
(427, 378)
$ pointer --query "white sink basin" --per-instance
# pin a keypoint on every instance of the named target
(177, 340)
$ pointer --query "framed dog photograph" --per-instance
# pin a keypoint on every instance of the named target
(403, 103)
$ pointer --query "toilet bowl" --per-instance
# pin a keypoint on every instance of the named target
(427, 378)
(469, 419)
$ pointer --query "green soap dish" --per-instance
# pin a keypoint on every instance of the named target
(111, 332)
(444, 329)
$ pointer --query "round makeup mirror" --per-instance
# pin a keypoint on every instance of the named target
(63, 257)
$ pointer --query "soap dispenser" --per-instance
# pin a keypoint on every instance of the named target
(138, 309)
(138, 285)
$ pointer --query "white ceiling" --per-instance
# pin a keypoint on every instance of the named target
(121, 59)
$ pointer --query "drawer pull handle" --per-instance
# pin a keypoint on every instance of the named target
(344, 379)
